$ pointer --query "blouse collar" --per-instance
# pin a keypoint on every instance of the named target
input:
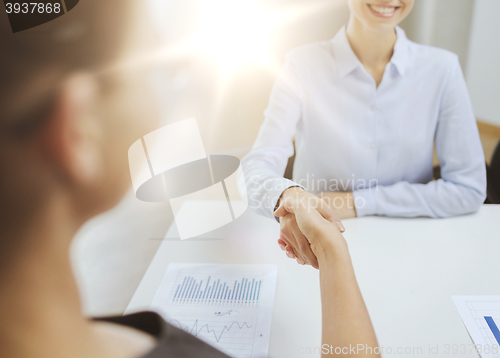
(348, 62)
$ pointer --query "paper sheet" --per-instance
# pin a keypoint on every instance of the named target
(227, 306)
(481, 316)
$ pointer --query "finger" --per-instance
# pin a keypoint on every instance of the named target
(283, 231)
(304, 246)
(282, 244)
(289, 252)
(323, 206)
(309, 221)
(289, 205)
(289, 237)
(297, 251)
(281, 211)
(331, 215)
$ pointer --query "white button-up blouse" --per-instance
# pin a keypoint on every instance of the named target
(377, 142)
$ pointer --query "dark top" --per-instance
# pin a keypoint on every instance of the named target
(172, 342)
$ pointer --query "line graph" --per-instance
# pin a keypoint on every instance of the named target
(227, 306)
(195, 331)
(233, 336)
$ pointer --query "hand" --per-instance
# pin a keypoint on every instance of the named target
(341, 202)
(294, 243)
(321, 234)
(344, 315)
(291, 238)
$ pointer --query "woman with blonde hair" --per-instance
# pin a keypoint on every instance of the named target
(69, 113)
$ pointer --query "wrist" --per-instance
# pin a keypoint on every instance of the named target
(330, 248)
(292, 191)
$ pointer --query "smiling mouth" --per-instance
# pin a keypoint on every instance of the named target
(386, 11)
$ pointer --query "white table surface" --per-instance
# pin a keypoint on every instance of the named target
(407, 270)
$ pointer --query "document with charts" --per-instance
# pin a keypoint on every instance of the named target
(228, 306)
(481, 316)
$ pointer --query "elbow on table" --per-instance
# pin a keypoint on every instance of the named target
(469, 201)
(477, 200)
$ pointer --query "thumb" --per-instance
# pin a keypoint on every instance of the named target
(285, 207)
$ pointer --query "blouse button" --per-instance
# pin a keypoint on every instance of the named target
(374, 108)
(372, 145)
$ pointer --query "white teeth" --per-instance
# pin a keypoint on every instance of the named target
(384, 10)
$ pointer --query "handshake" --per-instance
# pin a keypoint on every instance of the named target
(310, 224)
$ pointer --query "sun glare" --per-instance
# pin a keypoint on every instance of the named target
(232, 34)
(236, 33)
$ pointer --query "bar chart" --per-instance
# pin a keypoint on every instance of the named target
(227, 306)
(493, 327)
(485, 314)
(481, 316)
(193, 288)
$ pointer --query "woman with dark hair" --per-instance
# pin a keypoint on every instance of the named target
(69, 112)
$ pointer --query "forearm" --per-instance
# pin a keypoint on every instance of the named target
(440, 198)
(263, 184)
(347, 328)
(265, 165)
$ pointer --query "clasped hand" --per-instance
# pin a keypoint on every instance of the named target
(292, 239)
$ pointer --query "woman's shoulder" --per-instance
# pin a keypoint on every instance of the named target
(171, 341)
(432, 56)
(308, 51)
(311, 54)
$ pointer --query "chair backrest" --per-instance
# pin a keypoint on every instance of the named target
(494, 177)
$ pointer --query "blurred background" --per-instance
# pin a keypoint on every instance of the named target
(220, 59)
(226, 54)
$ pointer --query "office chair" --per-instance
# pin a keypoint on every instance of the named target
(493, 190)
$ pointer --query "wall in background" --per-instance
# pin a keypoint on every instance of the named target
(469, 28)
(229, 111)
(442, 23)
(483, 64)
